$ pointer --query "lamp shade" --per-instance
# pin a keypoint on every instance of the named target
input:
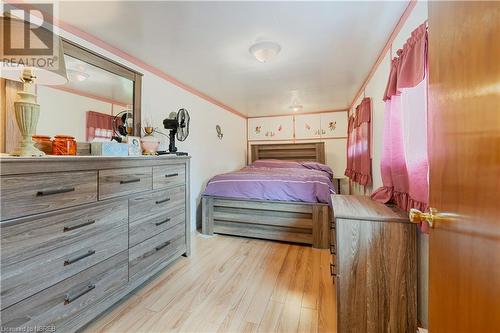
(49, 70)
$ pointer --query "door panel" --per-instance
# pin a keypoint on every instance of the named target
(464, 158)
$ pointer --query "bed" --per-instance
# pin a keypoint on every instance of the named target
(301, 215)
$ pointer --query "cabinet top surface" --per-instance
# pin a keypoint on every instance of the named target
(9, 158)
(11, 165)
(363, 207)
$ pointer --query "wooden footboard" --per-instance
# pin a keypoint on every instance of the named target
(277, 220)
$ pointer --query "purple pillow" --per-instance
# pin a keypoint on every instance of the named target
(292, 164)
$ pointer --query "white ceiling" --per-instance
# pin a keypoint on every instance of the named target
(327, 50)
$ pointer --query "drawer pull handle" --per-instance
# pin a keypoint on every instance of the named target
(332, 249)
(162, 201)
(68, 299)
(168, 175)
(128, 181)
(52, 192)
(72, 261)
(66, 229)
(159, 247)
(332, 270)
(162, 222)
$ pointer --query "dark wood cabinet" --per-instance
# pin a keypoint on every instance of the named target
(374, 265)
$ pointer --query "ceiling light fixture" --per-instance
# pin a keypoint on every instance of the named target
(265, 51)
(77, 75)
(296, 107)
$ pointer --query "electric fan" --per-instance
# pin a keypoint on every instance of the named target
(178, 124)
(122, 125)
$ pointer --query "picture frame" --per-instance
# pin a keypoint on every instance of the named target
(134, 146)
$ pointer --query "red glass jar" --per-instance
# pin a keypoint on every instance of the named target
(64, 145)
(43, 143)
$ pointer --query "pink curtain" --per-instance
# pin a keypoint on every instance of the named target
(351, 143)
(404, 164)
(359, 163)
(98, 122)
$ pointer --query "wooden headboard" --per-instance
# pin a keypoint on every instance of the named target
(310, 151)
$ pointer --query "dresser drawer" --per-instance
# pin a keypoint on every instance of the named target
(30, 194)
(155, 212)
(148, 255)
(39, 252)
(169, 175)
(152, 213)
(119, 182)
(71, 300)
(143, 229)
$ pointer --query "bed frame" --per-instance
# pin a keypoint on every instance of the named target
(296, 222)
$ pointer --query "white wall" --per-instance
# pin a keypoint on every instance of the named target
(210, 156)
(62, 112)
(375, 89)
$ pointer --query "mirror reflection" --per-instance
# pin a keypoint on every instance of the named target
(94, 105)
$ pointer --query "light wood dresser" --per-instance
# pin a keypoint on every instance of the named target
(374, 266)
(80, 233)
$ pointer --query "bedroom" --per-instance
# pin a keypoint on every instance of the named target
(250, 166)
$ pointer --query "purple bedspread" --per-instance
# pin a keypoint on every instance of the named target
(276, 180)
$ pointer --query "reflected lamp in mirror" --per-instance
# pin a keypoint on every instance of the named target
(30, 69)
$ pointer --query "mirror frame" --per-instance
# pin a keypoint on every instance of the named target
(79, 52)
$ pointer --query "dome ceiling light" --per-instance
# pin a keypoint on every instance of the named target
(77, 75)
(265, 51)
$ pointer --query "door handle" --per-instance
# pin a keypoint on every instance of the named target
(432, 216)
(416, 216)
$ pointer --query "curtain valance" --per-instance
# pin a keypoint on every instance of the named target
(408, 68)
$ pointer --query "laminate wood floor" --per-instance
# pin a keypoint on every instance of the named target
(232, 284)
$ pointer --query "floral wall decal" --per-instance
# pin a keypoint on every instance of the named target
(270, 134)
(332, 125)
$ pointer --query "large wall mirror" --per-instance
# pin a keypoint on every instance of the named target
(99, 92)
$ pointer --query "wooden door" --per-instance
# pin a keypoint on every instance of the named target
(464, 152)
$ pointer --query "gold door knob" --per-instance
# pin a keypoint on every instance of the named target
(417, 216)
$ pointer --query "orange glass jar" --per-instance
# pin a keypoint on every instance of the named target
(43, 143)
(64, 145)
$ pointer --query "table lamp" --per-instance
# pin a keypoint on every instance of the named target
(26, 108)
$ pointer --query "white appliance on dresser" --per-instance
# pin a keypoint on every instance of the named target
(80, 233)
